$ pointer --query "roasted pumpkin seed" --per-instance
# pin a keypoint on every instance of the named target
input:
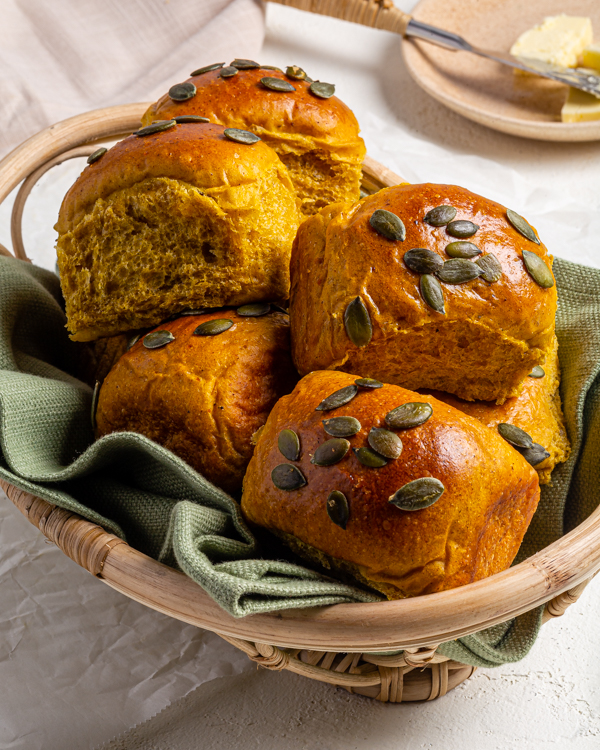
(418, 494)
(320, 89)
(181, 92)
(422, 260)
(271, 67)
(538, 270)
(98, 154)
(537, 372)
(368, 383)
(213, 327)
(369, 458)
(386, 443)
(157, 339)
(388, 225)
(94, 407)
(408, 415)
(206, 69)
(337, 508)
(330, 452)
(461, 229)
(358, 323)
(462, 249)
(155, 127)
(534, 455)
(338, 398)
(133, 341)
(341, 426)
(191, 311)
(522, 226)
(242, 64)
(287, 477)
(440, 216)
(491, 270)
(288, 443)
(515, 435)
(254, 310)
(241, 136)
(228, 71)
(431, 291)
(276, 84)
(458, 271)
(182, 119)
(295, 73)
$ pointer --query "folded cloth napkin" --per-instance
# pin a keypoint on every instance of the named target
(161, 506)
(62, 58)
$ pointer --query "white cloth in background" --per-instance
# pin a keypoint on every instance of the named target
(64, 57)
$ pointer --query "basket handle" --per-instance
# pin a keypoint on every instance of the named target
(378, 14)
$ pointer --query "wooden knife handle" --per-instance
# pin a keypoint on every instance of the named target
(379, 14)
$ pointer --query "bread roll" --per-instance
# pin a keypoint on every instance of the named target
(202, 397)
(181, 217)
(471, 531)
(316, 138)
(357, 306)
(537, 411)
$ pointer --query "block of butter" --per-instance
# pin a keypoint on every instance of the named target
(590, 57)
(580, 107)
(559, 40)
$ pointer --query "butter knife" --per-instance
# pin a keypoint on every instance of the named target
(383, 14)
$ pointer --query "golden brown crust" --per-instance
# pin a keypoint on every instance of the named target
(537, 410)
(321, 133)
(197, 154)
(183, 217)
(202, 397)
(472, 531)
(488, 340)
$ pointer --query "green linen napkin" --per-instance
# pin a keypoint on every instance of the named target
(143, 493)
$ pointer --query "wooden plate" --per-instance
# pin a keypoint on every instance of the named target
(487, 92)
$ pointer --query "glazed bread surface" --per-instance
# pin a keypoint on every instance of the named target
(482, 347)
(176, 219)
(317, 139)
(472, 531)
(202, 397)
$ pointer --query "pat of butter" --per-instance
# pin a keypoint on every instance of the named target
(580, 107)
(560, 40)
(590, 57)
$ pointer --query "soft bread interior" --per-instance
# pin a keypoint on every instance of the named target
(162, 245)
(460, 356)
(320, 179)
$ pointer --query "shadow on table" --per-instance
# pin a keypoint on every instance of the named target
(284, 712)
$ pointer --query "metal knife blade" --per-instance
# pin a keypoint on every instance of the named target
(579, 78)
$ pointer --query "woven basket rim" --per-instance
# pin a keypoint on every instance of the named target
(380, 626)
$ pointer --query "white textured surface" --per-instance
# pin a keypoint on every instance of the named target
(551, 698)
(79, 662)
(134, 661)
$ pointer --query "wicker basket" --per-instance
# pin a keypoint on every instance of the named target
(336, 644)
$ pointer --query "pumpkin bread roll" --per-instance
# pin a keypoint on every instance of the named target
(425, 286)
(401, 491)
(201, 386)
(313, 132)
(537, 411)
(181, 216)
